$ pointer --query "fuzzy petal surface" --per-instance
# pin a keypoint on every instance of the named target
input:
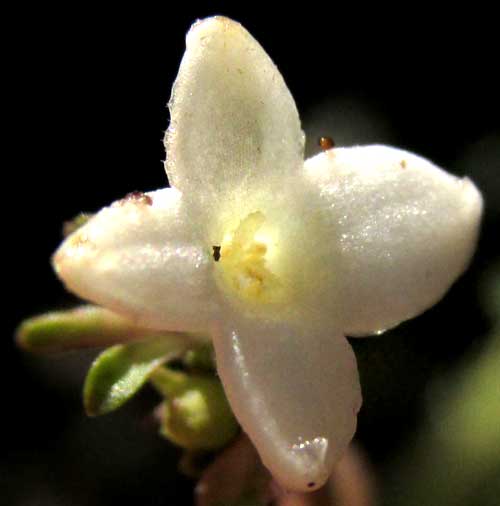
(295, 392)
(234, 131)
(397, 231)
(142, 257)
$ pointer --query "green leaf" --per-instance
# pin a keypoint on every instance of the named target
(119, 372)
(82, 327)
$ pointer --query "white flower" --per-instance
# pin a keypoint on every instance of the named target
(351, 242)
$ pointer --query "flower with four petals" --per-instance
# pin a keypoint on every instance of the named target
(275, 258)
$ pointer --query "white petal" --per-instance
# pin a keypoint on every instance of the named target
(295, 392)
(234, 126)
(397, 232)
(143, 259)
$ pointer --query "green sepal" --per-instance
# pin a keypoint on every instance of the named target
(83, 327)
(120, 371)
(196, 414)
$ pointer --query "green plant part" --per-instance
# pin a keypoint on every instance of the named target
(195, 414)
(388, 232)
(83, 327)
(119, 372)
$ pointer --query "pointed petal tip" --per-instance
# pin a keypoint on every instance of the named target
(58, 259)
(208, 26)
(472, 197)
(230, 109)
(142, 257)
(400, 252)
(311, 457)
(71, 259)
(296, 396)
(208, 29)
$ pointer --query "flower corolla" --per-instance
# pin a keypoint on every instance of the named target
(274, 258)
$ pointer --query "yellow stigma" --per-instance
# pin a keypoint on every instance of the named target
(243, 262)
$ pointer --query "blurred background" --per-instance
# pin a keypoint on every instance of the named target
(89, 91)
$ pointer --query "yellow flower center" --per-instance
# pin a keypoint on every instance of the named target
(243, 266)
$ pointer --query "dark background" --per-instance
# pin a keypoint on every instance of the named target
(89, 92)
